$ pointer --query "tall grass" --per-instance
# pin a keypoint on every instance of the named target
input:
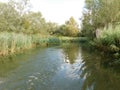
(109, 40)
(59, 40)
(73, 39)
(13, 42)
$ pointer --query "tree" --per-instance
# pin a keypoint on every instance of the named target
(33, 22)
(52, 27)
(11, 15)
(88, 29)
(70, 28)
(100, 13)
(21, 6)
(9, 18)
(104, 12)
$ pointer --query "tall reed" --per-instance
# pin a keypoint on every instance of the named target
(109, 39)
(11, 42)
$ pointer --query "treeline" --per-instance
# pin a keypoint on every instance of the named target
(101, 23)
(21, 28)
(17, 17)
(70, 28)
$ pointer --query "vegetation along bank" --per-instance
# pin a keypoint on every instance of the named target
(101, 24)
(22, 29)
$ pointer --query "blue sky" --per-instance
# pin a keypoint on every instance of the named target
(58, 10)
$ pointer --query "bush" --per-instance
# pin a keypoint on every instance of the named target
(110, 38)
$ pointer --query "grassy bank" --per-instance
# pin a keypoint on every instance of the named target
(13, 42)
(109, 41)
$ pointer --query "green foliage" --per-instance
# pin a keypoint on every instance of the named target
(73, 39)
(110, 38)
(33, 23)
(99, 14)
(9, 18)
(21, 28)
(103, 12)
(51, 27)
(11, 42)
(17, 17)
(70, 28)
(88, 30)
(54, 40)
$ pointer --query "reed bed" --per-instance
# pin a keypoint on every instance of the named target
(109, 40)
(11, 42)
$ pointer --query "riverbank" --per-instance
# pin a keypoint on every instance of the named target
(109, 43)
(11, 42)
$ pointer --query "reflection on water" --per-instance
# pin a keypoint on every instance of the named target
(71, 53)
(97, 77)
(66, 67)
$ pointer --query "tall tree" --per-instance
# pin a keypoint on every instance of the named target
(101, 13)
(71, 27)
(8, 17)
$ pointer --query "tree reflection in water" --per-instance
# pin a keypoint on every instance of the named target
(71, 53)
(96, 76)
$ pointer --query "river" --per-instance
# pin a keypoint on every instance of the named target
(65, 67)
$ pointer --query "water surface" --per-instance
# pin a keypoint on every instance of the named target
(65, 67)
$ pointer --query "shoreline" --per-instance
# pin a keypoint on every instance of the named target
(11, 43)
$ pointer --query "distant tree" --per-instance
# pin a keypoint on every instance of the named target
(52, 27)
(33, 22)
(70, 28)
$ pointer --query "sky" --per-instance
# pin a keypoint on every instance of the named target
(58, 10)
